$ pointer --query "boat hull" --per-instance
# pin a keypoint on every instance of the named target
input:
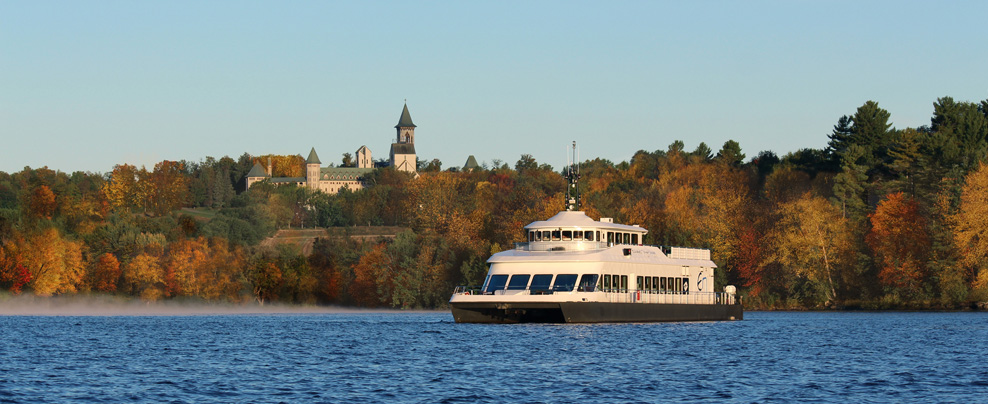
(591, 312)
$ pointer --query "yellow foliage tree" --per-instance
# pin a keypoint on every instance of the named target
(55, 264)
(970, 227)
(810, 239)
(144, 277)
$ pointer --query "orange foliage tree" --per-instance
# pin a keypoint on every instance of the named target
(901, 245)
(42, 202)
(105, 274)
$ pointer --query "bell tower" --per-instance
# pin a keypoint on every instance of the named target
(405, 127)
(403, 150)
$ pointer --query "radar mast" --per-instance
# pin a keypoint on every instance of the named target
(573, 177)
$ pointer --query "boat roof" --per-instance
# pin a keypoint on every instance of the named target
(639, 255)
(580, 220)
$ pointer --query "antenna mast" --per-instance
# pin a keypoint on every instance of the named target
(573, 175)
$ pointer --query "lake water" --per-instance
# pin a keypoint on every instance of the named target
(425, 357)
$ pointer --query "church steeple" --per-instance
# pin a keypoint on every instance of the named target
(405, 127)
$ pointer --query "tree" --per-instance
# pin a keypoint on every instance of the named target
(872, 130)
(526, 162)
(840, 139)
(810, 240)
(849, 184)
(348, 160)
(144, 277)
(970, 228)
(105, 274)
(120, 190)
(42, 204)
(166, 187)
(703, 152)
(901, 246)
(55, 264)
(730, 154)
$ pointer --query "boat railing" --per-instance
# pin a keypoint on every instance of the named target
(561, 246)
(648, 296)
(624, 295)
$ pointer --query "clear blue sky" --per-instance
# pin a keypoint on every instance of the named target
(85, 85)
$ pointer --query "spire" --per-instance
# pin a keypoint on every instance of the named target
(406, 119)
(313, 158)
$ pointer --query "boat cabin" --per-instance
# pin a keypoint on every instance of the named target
(574, 230)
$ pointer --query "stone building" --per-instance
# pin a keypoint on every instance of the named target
(332, 179)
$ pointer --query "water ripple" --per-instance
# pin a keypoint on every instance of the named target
(424, 357)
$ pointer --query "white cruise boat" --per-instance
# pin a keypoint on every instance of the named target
(574, 269)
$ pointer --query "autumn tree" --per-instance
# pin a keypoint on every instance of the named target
(105, 273)
(810, 240)
(42, 203)
(901, 246)
(121, 190)
(144, 277)
(54, 262)
(970, 227)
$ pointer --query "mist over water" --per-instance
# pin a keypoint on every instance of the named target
(424, 357)
(100, 305)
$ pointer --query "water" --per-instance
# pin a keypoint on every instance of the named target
(425, 357)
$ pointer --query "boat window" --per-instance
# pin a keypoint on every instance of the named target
(677, 284)
(624, 283)
(545, 235)
(555, 235)
(518, 282)
(655, 283)
(610, 237)
(589, 236)
(662, 284)
(486, 280)
(598, 235)
(634, 239)
(627, 238)
(686, 285)
(497, 283)
(588, 282)
(640, 282)
(567, 235)
(578, 235)
(531, 236)
(564, 283)
(648, 283)
(541, 282)
(607, 283)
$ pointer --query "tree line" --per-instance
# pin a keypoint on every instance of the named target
(880, 218)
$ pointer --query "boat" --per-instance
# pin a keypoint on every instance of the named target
(574, 269)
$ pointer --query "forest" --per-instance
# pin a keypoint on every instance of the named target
(881, 218)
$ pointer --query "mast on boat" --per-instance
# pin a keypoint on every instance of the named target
(573, 176)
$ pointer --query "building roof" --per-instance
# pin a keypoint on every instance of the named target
(287, 180)
(471, 163)
(313, 157)
(406, 119)
(257, 171)
(402, 148)
(343, 173)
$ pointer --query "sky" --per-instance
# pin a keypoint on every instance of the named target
(87, 85)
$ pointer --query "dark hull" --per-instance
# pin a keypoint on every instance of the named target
(592, 312)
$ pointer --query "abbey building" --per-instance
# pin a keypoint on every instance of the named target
(332, 179)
